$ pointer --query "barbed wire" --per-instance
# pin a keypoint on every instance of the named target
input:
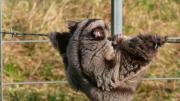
(167, 39)
(24, 34)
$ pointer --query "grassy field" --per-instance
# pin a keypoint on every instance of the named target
(40, 62)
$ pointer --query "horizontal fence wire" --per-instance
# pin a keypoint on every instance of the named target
(26, 41)
(64, 82)
(23, 34)
(159, 78)
(35, 82)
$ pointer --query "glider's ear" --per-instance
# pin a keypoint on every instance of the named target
(71, 25)
(60, 40)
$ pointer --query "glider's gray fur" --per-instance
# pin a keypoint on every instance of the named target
(104, 69)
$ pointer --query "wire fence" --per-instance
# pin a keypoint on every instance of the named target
(3, 84)
(45, 82)
(3, 42)
(50, 82)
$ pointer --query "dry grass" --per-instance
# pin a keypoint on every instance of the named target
(39, 61)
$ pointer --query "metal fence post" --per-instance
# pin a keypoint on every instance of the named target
(116, 10)
(1, 53)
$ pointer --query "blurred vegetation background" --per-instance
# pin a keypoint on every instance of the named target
(41, 62)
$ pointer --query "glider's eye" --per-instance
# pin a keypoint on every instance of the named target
(98, 33)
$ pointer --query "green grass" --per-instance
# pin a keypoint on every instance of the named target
(12, 70)
(40, 62)
(42, 93)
